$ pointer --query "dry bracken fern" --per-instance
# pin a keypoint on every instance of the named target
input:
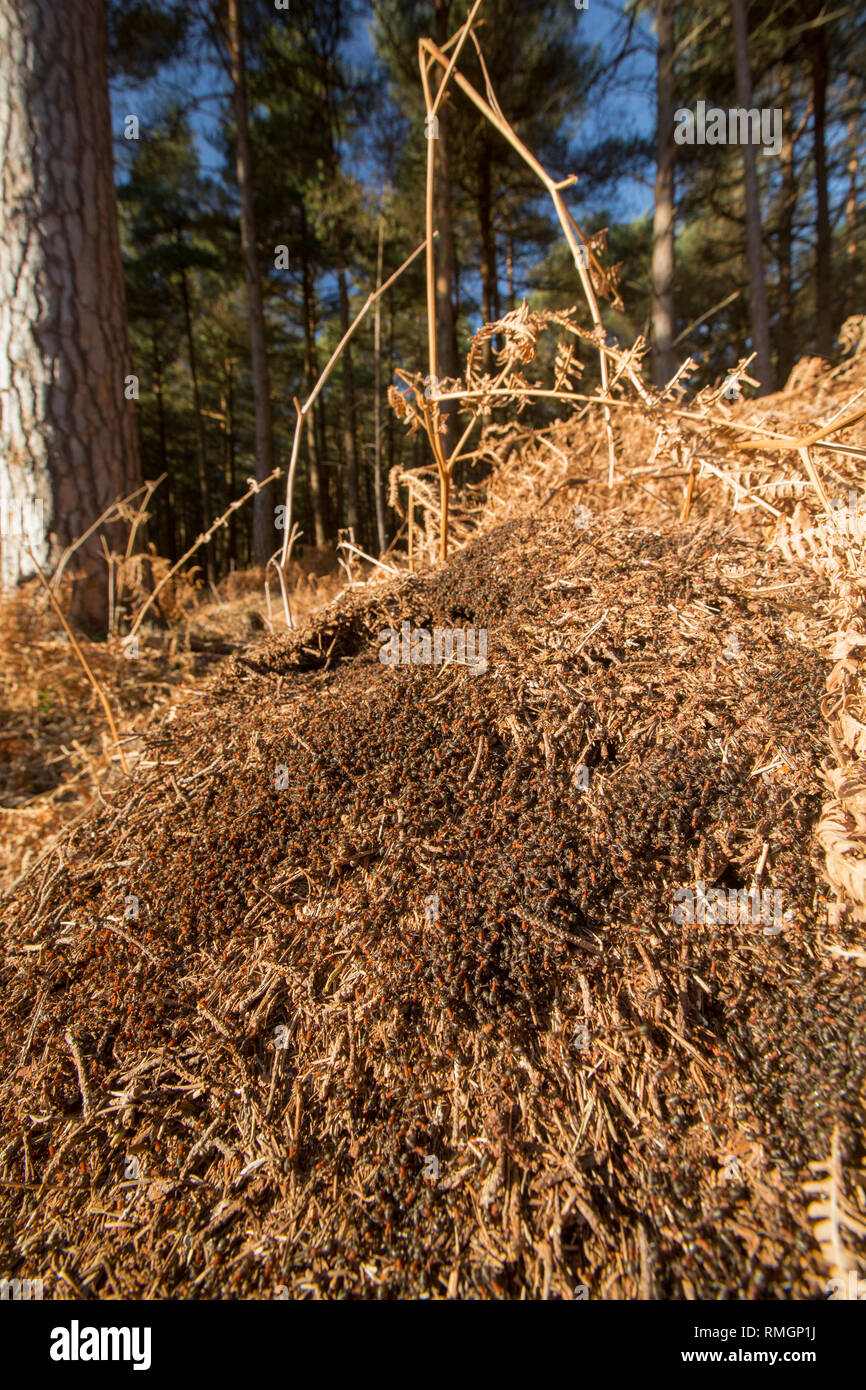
(833, 1216)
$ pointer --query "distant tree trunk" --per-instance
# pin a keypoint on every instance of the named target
(170, 532)
(263, 505)
(68, 435)
(230, 452)
(851, 204)
(378, 485)
(487, 242)
(224, 534)
(370, 500)
(509, 268)
(823, 243)
(787, 200)
(318, 485)
(760, 320)
(328, 474)
(390, 416)
(202, 520)
(446, 320)
(664, 359)
(350, 444)
(420, 359)
(350, 438)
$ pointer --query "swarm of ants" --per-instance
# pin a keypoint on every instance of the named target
(402, 1008)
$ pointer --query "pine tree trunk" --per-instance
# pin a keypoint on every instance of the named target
(446, 322)
(488, 249)
(823, 272)
(851, 205)
(165, 467)
(350, 440)
(263, 505)
(202, 520)
(350, 447)
(760, 320)
(230, 461)
(378, 485)
(663, 359)
(68, 435)
(787, 200)
(318, 487)
(390, 415)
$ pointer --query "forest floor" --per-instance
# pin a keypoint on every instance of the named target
(369, 981)
(55, 752)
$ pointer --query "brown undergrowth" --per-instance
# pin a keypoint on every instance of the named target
(55, 753)
(369, 982)
(404, 1009)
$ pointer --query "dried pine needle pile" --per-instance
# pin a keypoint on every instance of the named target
(368, 982)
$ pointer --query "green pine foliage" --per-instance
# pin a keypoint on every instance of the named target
(338, 143)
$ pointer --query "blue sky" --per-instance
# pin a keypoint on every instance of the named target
(634, 102)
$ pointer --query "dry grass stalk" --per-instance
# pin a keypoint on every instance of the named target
(290, 531)
(428, 55)
(82, 658)
(252, 489)
(118, 511)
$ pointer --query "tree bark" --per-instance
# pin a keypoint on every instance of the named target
(823, 271)
(787, 200)
(229, 412)
(68, 435)
(760, 321)
(509, 269)
(263, 504)
(664, 359)
(378, 487)
(851, 204)
(202, 520)
(165, 467)
(318, 485)
(446, 321)
(350, 441)
(488, 248)
(390, 415)
(350, 447)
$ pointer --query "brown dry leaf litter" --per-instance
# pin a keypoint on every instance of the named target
(327, 1083)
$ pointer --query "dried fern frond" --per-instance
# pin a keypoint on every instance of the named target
(521, 330)
(394, 488)
(566, 367)
(852, 334)
(832, 1216)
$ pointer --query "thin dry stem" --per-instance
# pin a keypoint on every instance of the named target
(253, 488)
(81, 657)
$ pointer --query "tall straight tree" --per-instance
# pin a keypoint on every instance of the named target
(663, 359)
(68, 434)
(446, 317)
(760, 321)
(853, 162)
(378, 488)
(823, 237)
(318, 483)
(350, 435)
(786, 207)
(263, 508)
